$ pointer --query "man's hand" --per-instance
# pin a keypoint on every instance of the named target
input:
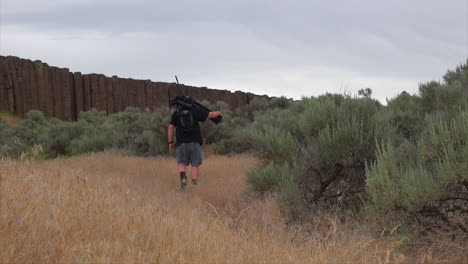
(214, 114)
(171, 146)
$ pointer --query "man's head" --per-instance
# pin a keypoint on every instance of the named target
(173, 102)
(181, 101)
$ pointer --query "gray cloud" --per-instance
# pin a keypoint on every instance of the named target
(291, 48)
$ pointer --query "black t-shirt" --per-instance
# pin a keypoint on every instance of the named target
(193, 134)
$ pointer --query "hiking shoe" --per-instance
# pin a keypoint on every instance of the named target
(194, 181)
(183, 183)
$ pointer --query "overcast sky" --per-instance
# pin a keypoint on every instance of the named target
(290, 48)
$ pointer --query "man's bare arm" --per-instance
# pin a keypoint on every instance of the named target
(170, 133)
(170, 136)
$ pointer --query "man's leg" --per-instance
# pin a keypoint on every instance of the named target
(181, 153)
(196, 158)
(195, 173)
(183, 175)
(182, 167)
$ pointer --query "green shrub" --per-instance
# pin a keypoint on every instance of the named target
(282, 119)
(258, 135)
(431, 187)
(122, 127)
(264, 104)
(149, 144)
(335, 145)
(91, 140)
(93, 117)
(274, 143)
(449, 96)
(14, 148)
(458, 76)
(58, 135)
(271, 177)
(290, 199)
(16, 141)
(31, 130)
(278, 179)
(265, 179)
(317, 115)
(239, 140)
(213, 133)
(396, 186)
(405, 113)
(331, 137)
(346, 139)
(150, 135)
(11, 145)
(4, 131)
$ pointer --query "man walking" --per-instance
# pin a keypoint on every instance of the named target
(188, 139)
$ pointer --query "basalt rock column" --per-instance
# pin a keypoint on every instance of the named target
(94, 89)
(79, 93)
(110, 95)
(117, 88)
(101, 94)
(87, 92)
(141, 94)
(67, 95)
(150, 99)
(4, 105)
(18, 96)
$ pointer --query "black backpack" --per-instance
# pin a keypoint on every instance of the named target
(186, 120)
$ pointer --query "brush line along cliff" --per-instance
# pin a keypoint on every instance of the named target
(33, 85)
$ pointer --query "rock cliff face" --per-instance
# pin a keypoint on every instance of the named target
(33, 85)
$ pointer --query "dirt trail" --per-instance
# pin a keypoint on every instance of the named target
(221, 181)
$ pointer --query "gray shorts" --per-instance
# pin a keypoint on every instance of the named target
(189, 153)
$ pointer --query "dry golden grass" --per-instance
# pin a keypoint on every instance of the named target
(107, 208)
